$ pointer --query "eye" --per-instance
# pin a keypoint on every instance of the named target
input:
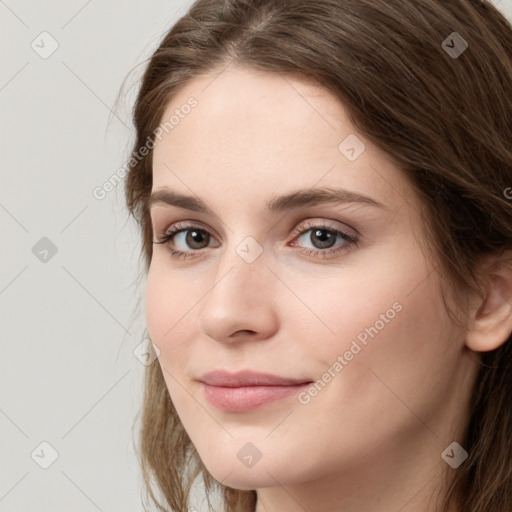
(323, 238)
(193, 236)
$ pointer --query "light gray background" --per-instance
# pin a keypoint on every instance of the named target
(69, 376)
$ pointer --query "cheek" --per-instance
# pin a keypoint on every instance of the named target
(397, 348)
(169, 315)
(388, 321)
(356, 305)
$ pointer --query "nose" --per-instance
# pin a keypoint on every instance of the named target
(241, 303)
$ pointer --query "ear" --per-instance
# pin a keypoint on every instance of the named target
(490, 322)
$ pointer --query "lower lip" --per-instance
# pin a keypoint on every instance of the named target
(247, 398)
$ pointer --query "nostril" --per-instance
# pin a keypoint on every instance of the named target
(245, 331)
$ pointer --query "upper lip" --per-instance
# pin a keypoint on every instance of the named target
(247, 378)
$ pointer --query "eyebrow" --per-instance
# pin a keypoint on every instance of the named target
(298, 199)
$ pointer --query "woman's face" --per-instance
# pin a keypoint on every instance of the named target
(337, 293)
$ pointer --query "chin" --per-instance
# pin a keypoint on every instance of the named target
(244, 480)
(262, 474)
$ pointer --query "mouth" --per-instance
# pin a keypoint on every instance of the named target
(248, 390)
(248, 398)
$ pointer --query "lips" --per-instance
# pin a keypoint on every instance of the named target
(248, 390)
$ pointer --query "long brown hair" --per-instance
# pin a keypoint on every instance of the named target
(445, 119)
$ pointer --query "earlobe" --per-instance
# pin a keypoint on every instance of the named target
(491, 325)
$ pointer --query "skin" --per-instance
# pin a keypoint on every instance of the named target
(372, 438)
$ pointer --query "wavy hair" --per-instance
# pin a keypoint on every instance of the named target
(446, 120)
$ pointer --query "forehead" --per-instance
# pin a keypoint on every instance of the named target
(252, 100)
(253, 132)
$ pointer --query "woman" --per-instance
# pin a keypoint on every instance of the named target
(324, 194)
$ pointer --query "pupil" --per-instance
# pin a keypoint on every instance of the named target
(325, 239)
(193, 237)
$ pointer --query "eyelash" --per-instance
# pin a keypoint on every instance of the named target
(179, 227)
